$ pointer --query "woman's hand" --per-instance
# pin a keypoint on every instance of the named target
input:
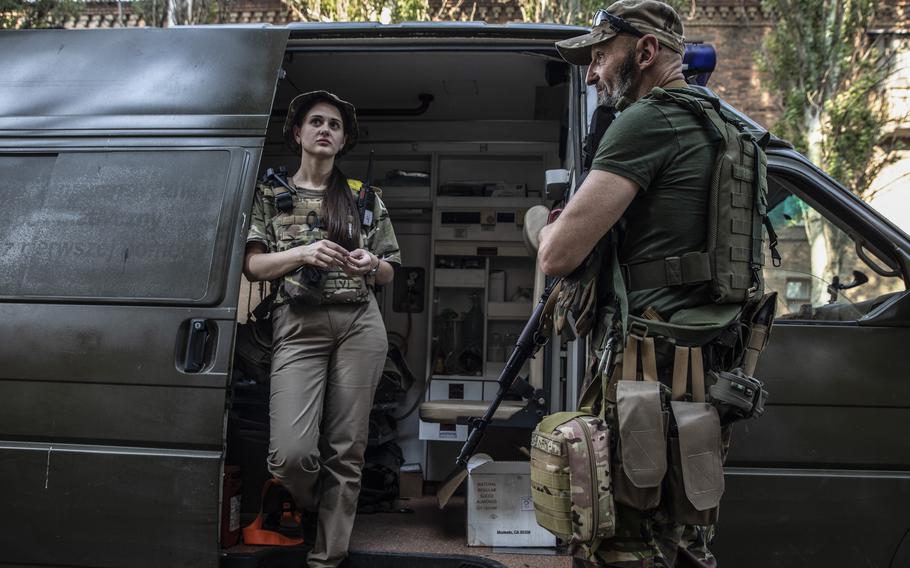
(359, 262)
(324, 254)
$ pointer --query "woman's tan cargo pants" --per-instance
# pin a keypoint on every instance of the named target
(326, 363)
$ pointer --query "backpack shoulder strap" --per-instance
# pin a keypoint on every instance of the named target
(705, 106)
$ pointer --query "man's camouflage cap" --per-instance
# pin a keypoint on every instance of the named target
(304, 102)
(647, 16)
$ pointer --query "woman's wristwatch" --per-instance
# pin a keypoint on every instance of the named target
(375, 269)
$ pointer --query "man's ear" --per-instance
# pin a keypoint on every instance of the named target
(648, 50)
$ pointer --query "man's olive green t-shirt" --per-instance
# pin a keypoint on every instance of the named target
(669, 152)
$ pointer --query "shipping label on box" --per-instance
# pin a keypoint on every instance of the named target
(500, 510)
(443, 432)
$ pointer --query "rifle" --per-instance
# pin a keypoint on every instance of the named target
(529, 342)
(601, 119)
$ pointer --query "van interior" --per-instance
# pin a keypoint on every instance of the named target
(459, 142)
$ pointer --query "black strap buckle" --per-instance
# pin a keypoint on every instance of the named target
(313, 220)
(284, 201)
(772, 242)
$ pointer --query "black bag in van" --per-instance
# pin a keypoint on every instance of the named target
(253, 344)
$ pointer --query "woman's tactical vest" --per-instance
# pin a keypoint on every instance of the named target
(659, 439)
(297, 222)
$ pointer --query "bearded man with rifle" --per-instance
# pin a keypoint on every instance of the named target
(660, 252)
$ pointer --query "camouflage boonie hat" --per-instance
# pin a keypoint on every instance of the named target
(306, 101)
(645, 16)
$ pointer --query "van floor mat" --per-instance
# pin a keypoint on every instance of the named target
(295, 557)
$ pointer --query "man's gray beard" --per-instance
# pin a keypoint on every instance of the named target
(625, 84)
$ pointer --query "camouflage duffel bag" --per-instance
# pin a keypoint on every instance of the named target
(570, 479)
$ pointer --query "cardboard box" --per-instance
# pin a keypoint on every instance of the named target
(500, 510)
(410, 481)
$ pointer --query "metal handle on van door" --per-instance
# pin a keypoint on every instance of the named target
(196, 338)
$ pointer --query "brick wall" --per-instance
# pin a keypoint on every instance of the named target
(736, 32)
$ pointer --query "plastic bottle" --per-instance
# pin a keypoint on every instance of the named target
(473, 326)
(497, 352)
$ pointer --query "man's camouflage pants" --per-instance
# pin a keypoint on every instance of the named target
(652, 540)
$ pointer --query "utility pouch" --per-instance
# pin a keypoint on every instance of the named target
(571, 478)
(696, 480)
(736, 395)
(641, 420)
(305, 285)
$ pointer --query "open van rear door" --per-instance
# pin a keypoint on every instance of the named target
(127, 167)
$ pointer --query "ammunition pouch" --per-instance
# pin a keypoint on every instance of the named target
(642, 446)
(696, 480)
(654, 464)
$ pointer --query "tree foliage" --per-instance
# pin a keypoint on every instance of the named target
(577, 12)
(26, 14)
(829, 71)
(385, 11)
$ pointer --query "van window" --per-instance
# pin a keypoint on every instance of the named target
(821, 277)
(120, 225)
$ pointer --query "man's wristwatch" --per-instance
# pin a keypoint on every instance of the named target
(375, 269)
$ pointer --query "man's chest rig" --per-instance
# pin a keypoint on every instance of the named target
(635, 441)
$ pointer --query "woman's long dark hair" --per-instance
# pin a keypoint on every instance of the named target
(339, 209)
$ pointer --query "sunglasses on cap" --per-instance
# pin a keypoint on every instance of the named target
(615, 22)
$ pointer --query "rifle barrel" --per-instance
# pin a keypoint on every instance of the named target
(524, 348)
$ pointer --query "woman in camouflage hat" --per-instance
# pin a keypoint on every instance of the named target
(323, 258)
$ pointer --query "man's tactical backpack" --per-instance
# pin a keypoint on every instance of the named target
(737, 209)
(582, 462)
